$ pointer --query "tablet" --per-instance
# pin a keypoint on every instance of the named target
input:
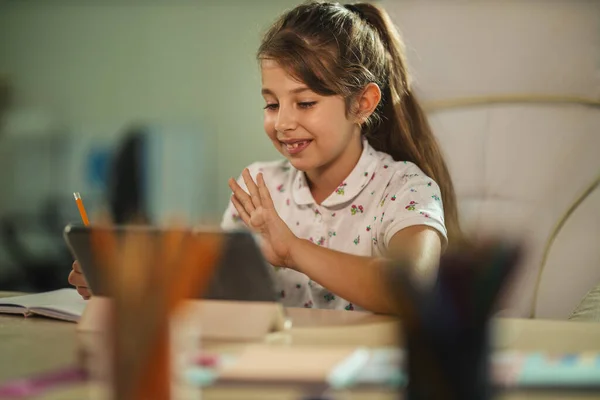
(242, 274)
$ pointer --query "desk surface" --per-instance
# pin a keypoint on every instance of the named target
(33, 345)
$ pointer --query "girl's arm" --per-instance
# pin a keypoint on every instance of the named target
(361, 280)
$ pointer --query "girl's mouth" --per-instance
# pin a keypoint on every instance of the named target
(296, 146)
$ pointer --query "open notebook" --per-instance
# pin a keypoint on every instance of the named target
(64, 304)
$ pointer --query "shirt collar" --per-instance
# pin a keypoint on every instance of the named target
(363, 172)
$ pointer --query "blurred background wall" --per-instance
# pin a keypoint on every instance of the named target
(94, 66)
(82, 72)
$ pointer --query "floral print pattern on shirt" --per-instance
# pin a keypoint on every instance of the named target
(340, 189)
(379, 198)
(355, 210)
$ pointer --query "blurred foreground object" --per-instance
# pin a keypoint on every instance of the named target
(147, 279)
(446, 326)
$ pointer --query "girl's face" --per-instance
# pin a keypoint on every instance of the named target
(310, 130)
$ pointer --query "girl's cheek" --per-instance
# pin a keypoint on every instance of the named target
(270, 129)
(269, 124)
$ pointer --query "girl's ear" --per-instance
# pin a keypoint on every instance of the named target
(366, 102)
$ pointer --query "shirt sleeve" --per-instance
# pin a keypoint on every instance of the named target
(409, 200)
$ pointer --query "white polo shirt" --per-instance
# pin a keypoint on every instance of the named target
(379, 198)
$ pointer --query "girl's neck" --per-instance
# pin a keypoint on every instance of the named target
(326, 179)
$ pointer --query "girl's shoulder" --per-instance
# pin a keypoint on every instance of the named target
(409, 197)
(403, 174)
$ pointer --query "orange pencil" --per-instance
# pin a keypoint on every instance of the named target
(79, 202)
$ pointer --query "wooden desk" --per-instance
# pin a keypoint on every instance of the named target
(34, 345)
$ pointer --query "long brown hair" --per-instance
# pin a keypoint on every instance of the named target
(338, 50)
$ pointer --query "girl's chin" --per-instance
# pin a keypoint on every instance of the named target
(301, 164)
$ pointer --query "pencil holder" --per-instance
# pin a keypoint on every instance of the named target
(448, 365)
(148, 277)
(445, 327)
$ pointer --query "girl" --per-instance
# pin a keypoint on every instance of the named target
(363, 176)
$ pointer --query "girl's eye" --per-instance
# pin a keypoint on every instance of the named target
(307, 104)
(271, 107)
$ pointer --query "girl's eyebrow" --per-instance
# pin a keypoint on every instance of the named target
(293, 91)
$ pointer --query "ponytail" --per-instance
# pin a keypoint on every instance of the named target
(403, 130)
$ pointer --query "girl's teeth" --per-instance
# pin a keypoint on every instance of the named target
(295, 145)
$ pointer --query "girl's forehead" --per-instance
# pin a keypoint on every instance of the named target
(272, 69)
(268, 63)
(276, 78)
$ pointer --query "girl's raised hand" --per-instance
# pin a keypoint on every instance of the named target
(258, 212)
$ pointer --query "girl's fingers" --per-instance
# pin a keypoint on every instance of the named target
(76, 279)
(83, 292)
(245, 216)
(265, 196)
(77, 267)
(242, 197)
(252, 188)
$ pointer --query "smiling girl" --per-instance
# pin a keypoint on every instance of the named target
(363, 177)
